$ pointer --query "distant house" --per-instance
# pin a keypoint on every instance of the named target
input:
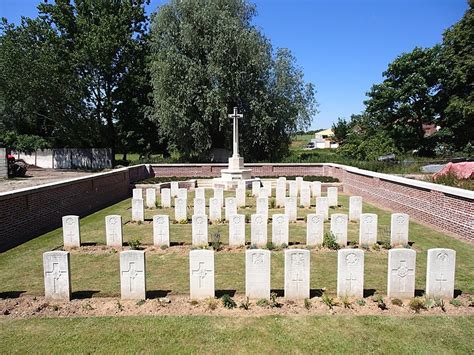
(324, 139)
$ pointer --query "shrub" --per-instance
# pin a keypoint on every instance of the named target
(270, 246)
(346, 301)
(284, 246)
(272, 203)
(134, 244)
(307, 303)
(328, 301)
(163, 246)
(253, 246)
(329, 241)
(228, 302)
(273, 301)
(183, 221)
(417, 304)
(140, 303)
(376, 247)
(248, 218)
(262, 302)
(193, 302)
(119, 306)
(139, 223)
(211, 303)
(245, 304)
(455, 302)
(365, 246)
(386, 245)
(360, 302)
(158, 205)
(471, 301)
(397, 302)
(216, 242)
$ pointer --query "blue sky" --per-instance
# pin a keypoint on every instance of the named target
(343, 46)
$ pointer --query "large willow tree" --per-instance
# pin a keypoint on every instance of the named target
(206, 58)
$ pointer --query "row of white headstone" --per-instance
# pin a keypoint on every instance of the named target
(258, 229)
(350, 273)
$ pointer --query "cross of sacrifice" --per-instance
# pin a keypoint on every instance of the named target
(55, 274)
(201, 272)
(235, 116)
(132, 274)
(402, 272)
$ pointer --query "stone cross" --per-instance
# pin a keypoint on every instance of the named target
(235, 116)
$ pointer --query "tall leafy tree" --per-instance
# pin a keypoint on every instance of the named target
(206, 58)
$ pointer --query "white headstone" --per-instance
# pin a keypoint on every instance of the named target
(297, 274)
(200, 192)
(339, 228)
(292, 189)
(350, 273)
(113, 230)
(322, 207)
(258, 230)
(257, 273)
(215, 210)
(165, 198)
(305, 196)
(151, 198)
(180, 209)
(71, 232)
(132, 275)
(255, 188)
(401, 273)
(219, 194)
(174, 186)
(199, 205)
(236, 230)
(183, 193)
(399, 229)
(57, 275)
(161, 230)
(242, 184)
(230, 207)
(199, 230)
(137, 193)
(280, 229)
(240, 197)
(314, 229)
(299, 182)
(332, 196)
(263, 192)
(316, 188)
(280, 196)
(368, 229)
(262, 206)
(281, 179)
(291, 208)
(138, 213)
(267, 185)
(201, 274)
(441, 265)
(355, 208)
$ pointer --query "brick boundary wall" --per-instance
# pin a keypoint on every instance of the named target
(30, 212)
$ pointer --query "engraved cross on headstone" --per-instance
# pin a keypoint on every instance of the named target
(402, 272)
(235, 116)
(132, 274)
(298, 279)
(441, 278)
(55, 274)
(201, 272)
(350, 279)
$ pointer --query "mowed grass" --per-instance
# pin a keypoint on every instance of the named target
(97, 273)
(210, 334)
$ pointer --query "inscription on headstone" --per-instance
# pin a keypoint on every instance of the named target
(236, 230)
(297, 273)
(399, 229)
(132, 275)
(161, 230)
(257, 273)
(200, 230)
(368, 229)
(401, 273)
(339, 228)
(258, 229)
(57, 276)
(71, 232)
(314, 229)
(350, 273)
(201, 274)
(113, 230)
(441, 265)
(279, 229)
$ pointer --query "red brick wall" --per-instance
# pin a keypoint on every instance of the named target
(34, 211)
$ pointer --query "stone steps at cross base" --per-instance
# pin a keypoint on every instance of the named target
(206, 183)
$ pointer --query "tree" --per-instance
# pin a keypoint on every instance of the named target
(408, 97)
(457, 121)
(206, 58)
(341, 129)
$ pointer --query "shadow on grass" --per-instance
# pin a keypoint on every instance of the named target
(369, 292)
(176, 244)
(220, 293)
(152, 294)
(11, 294)
(79, 295)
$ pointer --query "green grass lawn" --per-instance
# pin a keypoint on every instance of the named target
(209, 334)
(168, 270)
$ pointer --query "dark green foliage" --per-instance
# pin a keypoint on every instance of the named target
(216, 241)
(134, 244)
(329, 241)
(417, 304)
(397, 302)
(307, 303)
(270, 245)
(328, 301)
(228, 302)
(245, 304)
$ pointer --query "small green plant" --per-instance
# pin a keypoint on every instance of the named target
(158, 205)
(183, 221)
(55, 307)
(397, 302)
(228, 302)
(262, 302)
(307, 303)
(455, 302)
(272, 203)
(328, 301)
(140, 303)
(439, 302)
(273, 301)
(301, 206)
(329, 241)
(253, 246)
(248, 217)
(407, 246)
(119, 306)
(87, 307)
(376, 247)
(360, 302)
(216, 241)
(346, 302)
(249, 194)
(139, 222)
(417, 304)
(365, 246)
(380, 301)
(193, 302)
(377, 297)
(163, 246)
(470, 300)
(284, 246)
(386, 245)
(134, 244)
(245, 304)
(211, 303)
(270, 246)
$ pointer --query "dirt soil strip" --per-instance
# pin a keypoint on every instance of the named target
(28, 306)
